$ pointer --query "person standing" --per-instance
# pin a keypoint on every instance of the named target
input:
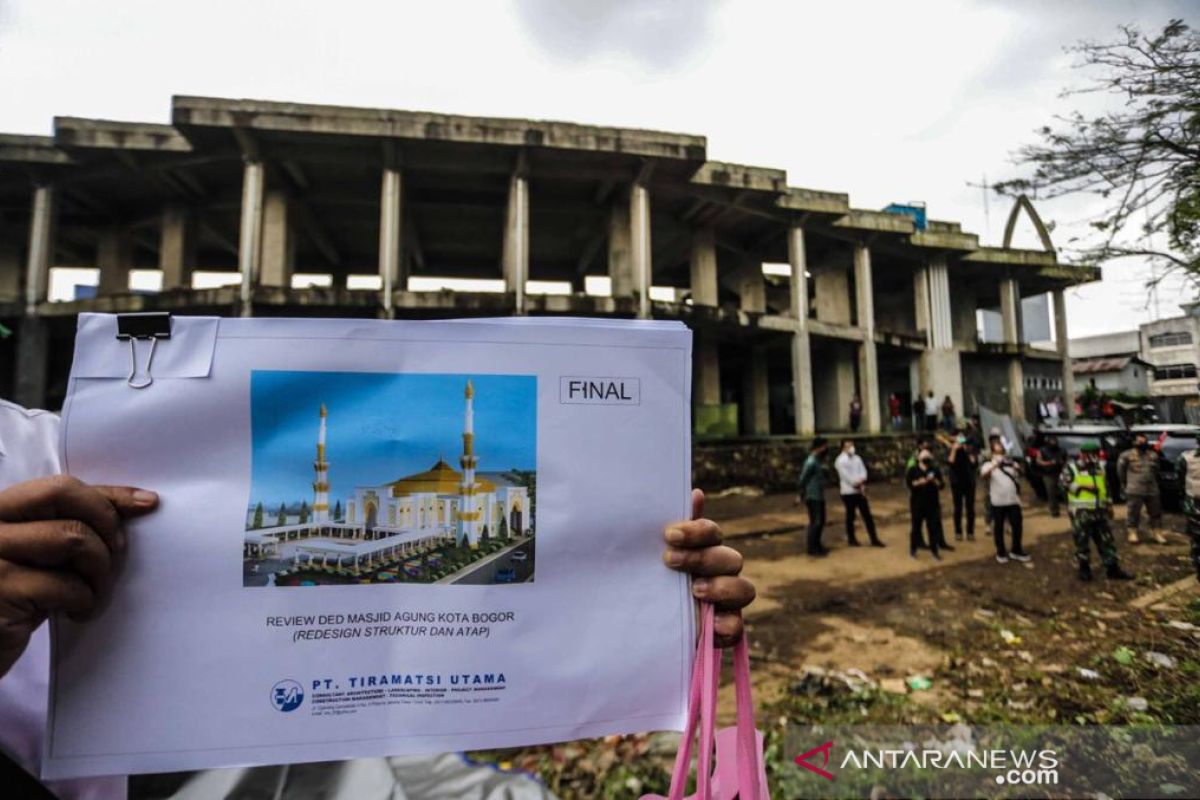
(931, 412)
(1090, 509)
(855, 413)
(1137, 469)
(963, 460)
(1189, 467)
(948, 414)
(894, 411)
(1049, 463)
(852, 484)
(812, 492)
(1003, 476)
(924, 481)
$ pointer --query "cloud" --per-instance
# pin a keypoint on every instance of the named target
(658, 34)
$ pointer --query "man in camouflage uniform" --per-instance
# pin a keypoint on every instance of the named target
(1189, 467)
(1090, 508)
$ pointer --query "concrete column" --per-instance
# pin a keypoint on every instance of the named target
(708, 371)
(1010, 318)
(752, 290)
(802, 379)
(868, 364)
(940, 367)
(833, 295)
(1062, 340)
(941, 333)
(516, 240)
(114, 257)
(33, 349)
(756, 394)
(250, 232)
(177, 247)
(620, 250)
(921, 312)
(41, 248)
(639, 237)
(390, 252)
(278, 258)
(1010, 310)
(704, 267)
(10, 273)
(833, 385)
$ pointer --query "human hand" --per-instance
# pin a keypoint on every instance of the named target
(59, 538)
(695, 547)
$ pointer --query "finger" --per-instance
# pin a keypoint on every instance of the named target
(728, 628)
(697, 504)
(129, 500)
(63, 497)
(62, 543)
(726, 592)
(693, 533)
(29, 592)
(708, 561)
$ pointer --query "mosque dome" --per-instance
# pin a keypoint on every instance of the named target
(441, 478)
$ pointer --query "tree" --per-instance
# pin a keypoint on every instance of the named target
(303, 511)
(1141, 159)
(258, 515)
(337, 511)
(282, 518)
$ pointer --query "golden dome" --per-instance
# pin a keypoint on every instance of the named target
(441, 478)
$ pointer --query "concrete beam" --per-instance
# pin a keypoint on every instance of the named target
(740, 176)
(815, 201)
(416, 125)
(31, 150)
(107, 134)
(875, 222)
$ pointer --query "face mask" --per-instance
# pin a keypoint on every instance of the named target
(1142, 447)
(962, 440)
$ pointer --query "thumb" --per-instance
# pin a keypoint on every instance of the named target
(697, 503)
(128, 500)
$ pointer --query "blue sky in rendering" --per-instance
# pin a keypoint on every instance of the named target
(381, 427)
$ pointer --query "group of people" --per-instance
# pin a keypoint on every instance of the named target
(968, 462)
(929, 414)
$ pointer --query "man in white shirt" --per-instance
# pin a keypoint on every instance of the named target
(59, 541)
(852, 483)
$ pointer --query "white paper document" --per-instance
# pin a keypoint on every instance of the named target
(377, 538)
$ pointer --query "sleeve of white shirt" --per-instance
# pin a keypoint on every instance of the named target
(28, 450)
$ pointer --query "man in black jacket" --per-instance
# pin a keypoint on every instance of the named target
(924, 481)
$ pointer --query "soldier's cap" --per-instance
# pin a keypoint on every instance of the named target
(1089, 447)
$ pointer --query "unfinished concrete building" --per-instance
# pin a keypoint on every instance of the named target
(798, 300)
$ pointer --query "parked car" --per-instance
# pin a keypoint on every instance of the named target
(1171, 441)
(1113, 440)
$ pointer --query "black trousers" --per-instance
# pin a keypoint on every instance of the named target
(816, 524)
(853, 503)
(1010, 515)
(964, 505)
(929, 515)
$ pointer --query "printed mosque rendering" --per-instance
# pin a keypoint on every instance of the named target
(395, 519)
(441, 498)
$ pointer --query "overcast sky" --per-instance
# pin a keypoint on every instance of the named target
(887, 101)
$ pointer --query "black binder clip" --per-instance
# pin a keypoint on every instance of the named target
(153, 325)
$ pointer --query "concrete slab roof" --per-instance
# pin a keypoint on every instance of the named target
(740, 176)
(266, 115)
(876, 221)
(31, 149)
(116, 135)
(945, 240)
(814, 200)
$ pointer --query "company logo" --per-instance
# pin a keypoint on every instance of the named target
(287, 695)
(802, 760)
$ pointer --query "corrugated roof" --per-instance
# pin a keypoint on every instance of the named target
(1092, 366)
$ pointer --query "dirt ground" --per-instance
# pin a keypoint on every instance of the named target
(971, 626)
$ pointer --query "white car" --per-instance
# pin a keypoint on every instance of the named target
(520, 555)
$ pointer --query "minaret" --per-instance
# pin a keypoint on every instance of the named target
(321, 484)
(468, 514)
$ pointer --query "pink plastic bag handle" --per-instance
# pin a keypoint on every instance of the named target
(702, 702)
